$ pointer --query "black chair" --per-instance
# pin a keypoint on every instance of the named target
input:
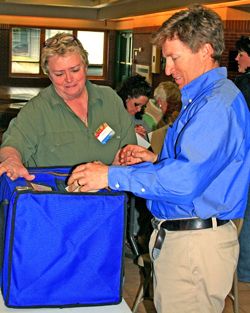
(140, 253)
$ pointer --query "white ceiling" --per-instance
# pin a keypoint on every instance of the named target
(100, 9)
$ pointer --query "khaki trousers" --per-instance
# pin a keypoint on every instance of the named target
(194, 271)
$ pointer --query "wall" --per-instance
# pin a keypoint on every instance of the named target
(42, 82)
(237, 23)
(233, 30)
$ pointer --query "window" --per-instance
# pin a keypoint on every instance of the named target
(51, 32)
(26, 45)
(93, 42)
(25, 57)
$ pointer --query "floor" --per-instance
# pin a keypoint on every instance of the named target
(132, 280)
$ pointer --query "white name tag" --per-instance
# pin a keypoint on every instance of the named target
(104, 133)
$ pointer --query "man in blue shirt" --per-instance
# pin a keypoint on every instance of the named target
(199, 182)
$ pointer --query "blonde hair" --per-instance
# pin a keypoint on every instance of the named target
(60, 44)
(169, 92)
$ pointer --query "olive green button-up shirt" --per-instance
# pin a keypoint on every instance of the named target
(48, 133)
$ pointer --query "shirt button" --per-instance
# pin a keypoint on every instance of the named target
(190, 100)
(117, 185)
(142, 190)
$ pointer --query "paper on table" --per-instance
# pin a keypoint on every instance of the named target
(142, 142)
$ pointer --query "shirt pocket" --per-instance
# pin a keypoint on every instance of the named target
(54, 141)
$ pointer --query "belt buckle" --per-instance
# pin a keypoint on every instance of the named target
(155, 222)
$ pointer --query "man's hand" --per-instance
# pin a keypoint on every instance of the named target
(133, 154)
(89, 177)
(11, 164)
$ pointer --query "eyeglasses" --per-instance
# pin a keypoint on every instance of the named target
(139, 105)
(56, 41)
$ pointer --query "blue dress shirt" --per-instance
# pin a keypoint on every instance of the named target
(204, 167)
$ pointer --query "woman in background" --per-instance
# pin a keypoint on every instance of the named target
(167, 96)
(135, 92)
(243, 58)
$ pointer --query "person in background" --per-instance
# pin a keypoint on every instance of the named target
(152, 115)
(198, 184)
(168, 98)
(243, 83)
(71, 121)
(135, 93)
(243, 59)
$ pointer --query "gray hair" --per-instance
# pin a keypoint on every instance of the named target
(60, 44)
(195, 27)
(168, 91)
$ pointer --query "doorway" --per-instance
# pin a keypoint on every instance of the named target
(123, 68)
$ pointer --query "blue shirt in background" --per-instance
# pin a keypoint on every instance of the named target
(204, 166)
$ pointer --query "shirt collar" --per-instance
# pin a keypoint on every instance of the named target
(54, 97)
(196, 86)
(93, 94)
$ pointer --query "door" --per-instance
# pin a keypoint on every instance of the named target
(124, 57)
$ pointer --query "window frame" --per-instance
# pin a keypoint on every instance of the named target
(41, 75)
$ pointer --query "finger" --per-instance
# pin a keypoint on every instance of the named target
(26, 175)
(74, 176)
(12, 175)
(29, 177)
(79, 168)
(71, 188)
(85, 188)
(2, 170)
(76, 185)
(97, 162)
(78, 182)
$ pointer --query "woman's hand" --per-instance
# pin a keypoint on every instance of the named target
(133, 154)
(12, 165)
(140, 130)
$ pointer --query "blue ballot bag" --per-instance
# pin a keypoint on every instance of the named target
(61, 249)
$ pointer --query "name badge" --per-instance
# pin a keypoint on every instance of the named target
(104, 133)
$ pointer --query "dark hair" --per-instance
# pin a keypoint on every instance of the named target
(134, 87)
(243, 44)
(195, 27)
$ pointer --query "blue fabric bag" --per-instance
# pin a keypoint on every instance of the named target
(61, 249)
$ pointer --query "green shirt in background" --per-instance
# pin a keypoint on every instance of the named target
(48, 133)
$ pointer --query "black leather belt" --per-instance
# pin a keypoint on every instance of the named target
(191, 224)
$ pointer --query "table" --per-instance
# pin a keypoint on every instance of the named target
(18, 94)
(117, 308)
